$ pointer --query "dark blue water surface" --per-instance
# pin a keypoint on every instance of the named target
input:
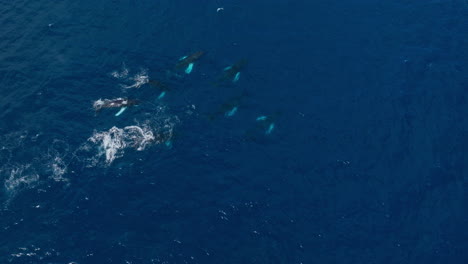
(365, 161)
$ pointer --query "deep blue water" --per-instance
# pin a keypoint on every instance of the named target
(366, 163)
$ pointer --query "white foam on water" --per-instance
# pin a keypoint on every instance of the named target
(103, 147)
(113, 142)
(123, 73)
(55, 161)
(26, 163)
(20, 176)
(98, 104)
(14, 174)
(58, 169)
(138, 79)
(11, 142)
(32, 254)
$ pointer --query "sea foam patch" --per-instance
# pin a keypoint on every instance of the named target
(138, 79)
(122, 73)
(28, 161)
(21, 175)
(135, 81)
(113, 142)
(103, 147)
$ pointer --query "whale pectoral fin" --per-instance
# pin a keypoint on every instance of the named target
(231, 112)
(236, 77)
(182, 58)
(121, 111)
(227, 68)
(261, 118)
(189, 68)
(270, 129)
(161, 95)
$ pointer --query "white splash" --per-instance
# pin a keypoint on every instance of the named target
(123, 73)
(113, 142)
(98, 104)
(139, 79)
(103, 147)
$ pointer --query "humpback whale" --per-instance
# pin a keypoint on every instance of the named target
(267, 123)
(160, 86)
(187, 62)
(263, 129)
(230, 107)
(232, 73)
(123, 103)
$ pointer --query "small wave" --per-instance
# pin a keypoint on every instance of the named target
(33, 254)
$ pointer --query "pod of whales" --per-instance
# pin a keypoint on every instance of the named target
(228, 109)
(187, 62)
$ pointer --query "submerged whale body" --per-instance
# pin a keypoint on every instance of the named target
(230, 107)
(267, 123)
(232, 73)
(187, 62)
(160, 86)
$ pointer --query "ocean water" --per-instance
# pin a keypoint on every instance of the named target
(358, 154)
